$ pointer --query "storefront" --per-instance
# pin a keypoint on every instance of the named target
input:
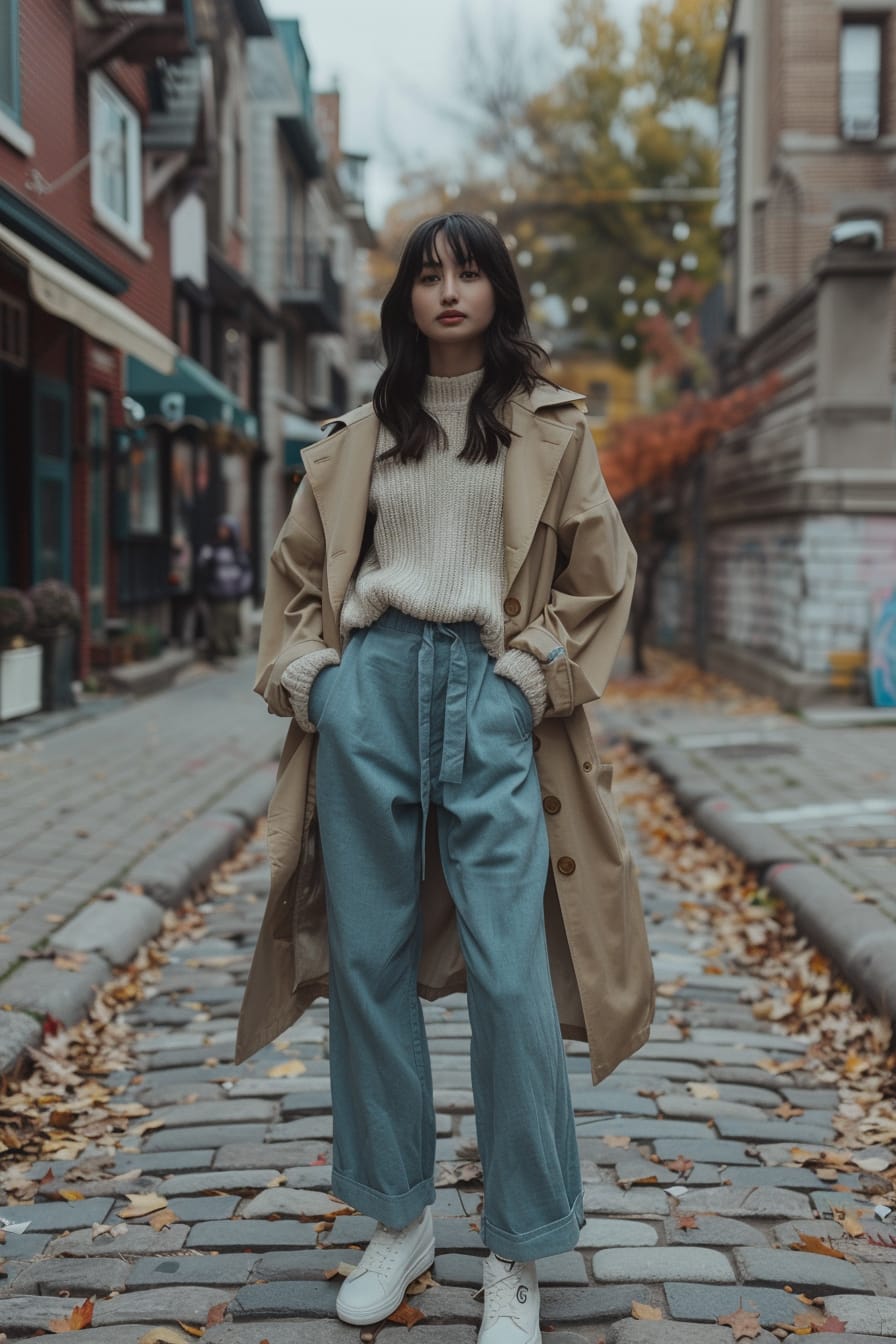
(185, 459)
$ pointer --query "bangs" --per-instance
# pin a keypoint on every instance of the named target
(455, 236)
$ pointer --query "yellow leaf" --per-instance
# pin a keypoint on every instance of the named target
(141, 1205)
(71, 1195)
(164, 1218)
(163, 1334)
(290, 1068)
(642, 1312)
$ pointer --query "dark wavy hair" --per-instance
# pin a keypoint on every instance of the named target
(510, 353)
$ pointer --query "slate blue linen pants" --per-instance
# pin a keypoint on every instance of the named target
(415, 717)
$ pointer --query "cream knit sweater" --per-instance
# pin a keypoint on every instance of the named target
(437, 550)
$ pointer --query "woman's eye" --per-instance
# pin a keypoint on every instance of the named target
(471, 275)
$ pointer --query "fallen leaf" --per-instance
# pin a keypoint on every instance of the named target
(343, 1269)
(79, 1319)
(216, 1313)
(421, 1283)
(744, 1324)
(687, 1221)
(141, 1205)
(407, 1315)
(162, 1219)
(290, 1068)
(817, 1247)
(163, 1334)
(807, 1322)
(70, 1195)
(705, 1091)
(850, 1222)
(786, 1111)
(616, 1140)
(642, 1312)
(197, 1331)
(680, 1164)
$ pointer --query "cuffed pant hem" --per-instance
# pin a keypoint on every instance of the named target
(551, 1239)
(393, 1210)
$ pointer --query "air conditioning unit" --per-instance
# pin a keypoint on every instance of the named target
(864, 127)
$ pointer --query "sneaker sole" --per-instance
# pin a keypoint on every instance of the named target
(424, 1260)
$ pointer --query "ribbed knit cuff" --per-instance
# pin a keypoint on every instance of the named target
(524, 670)
(298, 678)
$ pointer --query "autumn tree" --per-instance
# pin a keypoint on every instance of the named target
(604, 180)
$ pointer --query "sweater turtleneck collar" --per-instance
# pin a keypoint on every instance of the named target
(445, 394)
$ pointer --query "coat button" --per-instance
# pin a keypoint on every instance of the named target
(536, 741)
(551, 804)
(512, 606)
(566, 866)
(586, 765)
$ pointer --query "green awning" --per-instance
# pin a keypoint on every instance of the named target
(189, 395)
(298, 433)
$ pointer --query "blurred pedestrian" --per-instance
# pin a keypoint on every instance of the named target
(453, 576)
(225, 576)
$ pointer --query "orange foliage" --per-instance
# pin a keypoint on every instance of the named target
(648, 449)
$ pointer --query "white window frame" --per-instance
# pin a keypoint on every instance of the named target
(103, 91)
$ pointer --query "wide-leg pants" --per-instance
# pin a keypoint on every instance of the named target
(414, 718)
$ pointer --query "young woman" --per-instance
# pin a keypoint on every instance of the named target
(449, 590)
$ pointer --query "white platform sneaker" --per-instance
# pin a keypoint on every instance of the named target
(392, 1260)
(512, 1302)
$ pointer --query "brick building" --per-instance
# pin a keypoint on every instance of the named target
(81, 252)
(799, 507)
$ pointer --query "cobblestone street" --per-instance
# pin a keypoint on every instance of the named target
(241, 1157)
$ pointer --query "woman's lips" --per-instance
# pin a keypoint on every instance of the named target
(451, 319)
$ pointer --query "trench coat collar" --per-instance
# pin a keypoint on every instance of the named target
(341, 481)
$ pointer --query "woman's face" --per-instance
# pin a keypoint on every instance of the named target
(452, 302)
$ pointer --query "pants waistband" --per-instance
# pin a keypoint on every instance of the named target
(392, 619)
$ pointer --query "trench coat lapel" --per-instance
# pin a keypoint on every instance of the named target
(341, 484)
(533, 457)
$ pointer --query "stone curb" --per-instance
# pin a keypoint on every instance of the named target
(857, 937)
(106, 933)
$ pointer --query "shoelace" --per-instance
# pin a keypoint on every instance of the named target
(382, 1248)
(501, 1297)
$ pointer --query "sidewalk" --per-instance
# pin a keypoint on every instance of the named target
(706, 1158)
(809, 802)
(82, 805)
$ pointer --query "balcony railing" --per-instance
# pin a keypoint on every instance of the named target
(307, 282)
(140, 32)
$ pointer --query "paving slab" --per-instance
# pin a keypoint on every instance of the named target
(40, 986)
(114, 925)
(871, 1315)
(134, 1241)
(306, 1330)
(673, 1332)
(205, 1270)
(162, 1305)
(801, 1270)
(707, 1302)
(659, 1264)
(18, 1031)
(754, 1202)
(553, 1270)
(250, 1235)
(714, 1231)
(77, 1277)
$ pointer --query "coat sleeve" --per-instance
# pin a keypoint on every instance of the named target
(578, 633)
(291, 619)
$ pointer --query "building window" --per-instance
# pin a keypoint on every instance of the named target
(861, 84)
(115, 158)
(145, 486)
(9, 57)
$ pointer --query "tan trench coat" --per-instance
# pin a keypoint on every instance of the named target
(569, 575)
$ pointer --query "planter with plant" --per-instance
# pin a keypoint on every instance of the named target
(57, 614)
(20, 659)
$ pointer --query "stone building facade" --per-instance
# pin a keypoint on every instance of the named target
(799, 508)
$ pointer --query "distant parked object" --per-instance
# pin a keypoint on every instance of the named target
(883, 653)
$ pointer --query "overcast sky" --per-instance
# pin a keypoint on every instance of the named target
(391, 57)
